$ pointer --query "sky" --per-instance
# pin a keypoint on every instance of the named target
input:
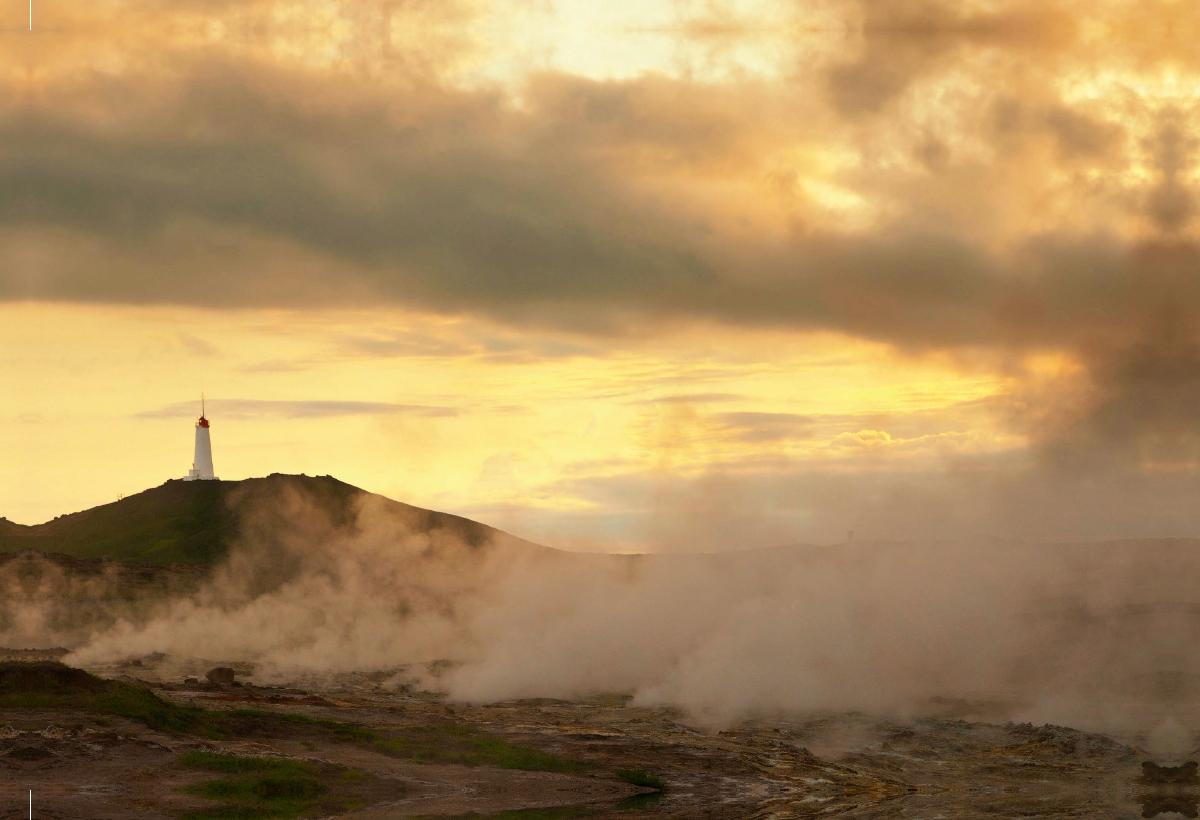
(674, 275)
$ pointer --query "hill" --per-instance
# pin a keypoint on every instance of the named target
(196, 522)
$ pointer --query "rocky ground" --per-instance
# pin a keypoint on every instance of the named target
(853, 765)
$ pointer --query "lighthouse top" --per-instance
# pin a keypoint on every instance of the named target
(203, 422)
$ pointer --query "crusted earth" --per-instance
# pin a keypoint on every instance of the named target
(82, 765)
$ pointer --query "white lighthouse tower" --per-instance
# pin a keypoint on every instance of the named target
(202, 466)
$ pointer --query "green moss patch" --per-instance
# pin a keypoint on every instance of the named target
(639, 777)
(51, 685)
(262, 788)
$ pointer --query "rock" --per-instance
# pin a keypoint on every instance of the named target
(220, 674)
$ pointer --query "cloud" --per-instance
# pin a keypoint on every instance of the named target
(402, 344)
(695, 398)
(595, 205)
(590, 207)
(256, 408)
(951, 177)
(196, 346)
(758, 426)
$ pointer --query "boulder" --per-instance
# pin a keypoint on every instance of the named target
(220, 674)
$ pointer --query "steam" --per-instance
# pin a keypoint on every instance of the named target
(1091, 635)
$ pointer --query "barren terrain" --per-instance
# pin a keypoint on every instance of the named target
(397, 758)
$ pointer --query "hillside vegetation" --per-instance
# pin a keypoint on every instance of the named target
(197, 522)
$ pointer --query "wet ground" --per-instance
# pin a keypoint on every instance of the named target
(846, 765)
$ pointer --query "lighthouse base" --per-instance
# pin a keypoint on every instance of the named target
(194, 475)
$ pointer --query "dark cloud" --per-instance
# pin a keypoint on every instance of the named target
(1170, 203)
(550, 241)
(1078, 134)
(901, 42)
(439, 216)
(468, 228)
(250, 187)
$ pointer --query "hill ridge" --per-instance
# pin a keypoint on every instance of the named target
(196, 522)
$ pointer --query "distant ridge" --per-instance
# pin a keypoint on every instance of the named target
(197, 522)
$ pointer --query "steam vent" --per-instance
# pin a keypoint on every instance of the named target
(202, 465)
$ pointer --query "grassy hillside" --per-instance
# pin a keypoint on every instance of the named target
(179, 522)
(196, 522)
(9, 528)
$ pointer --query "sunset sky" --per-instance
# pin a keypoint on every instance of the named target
(664, 275)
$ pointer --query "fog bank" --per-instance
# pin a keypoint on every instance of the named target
(1093, 635)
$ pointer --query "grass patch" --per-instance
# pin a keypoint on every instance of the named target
(52, 685)
(46, 681)
(255, 787)
(268, 788)
(142, 705)
(229, 764)
(640, 777)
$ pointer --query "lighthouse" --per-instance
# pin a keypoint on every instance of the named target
(202, 466)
